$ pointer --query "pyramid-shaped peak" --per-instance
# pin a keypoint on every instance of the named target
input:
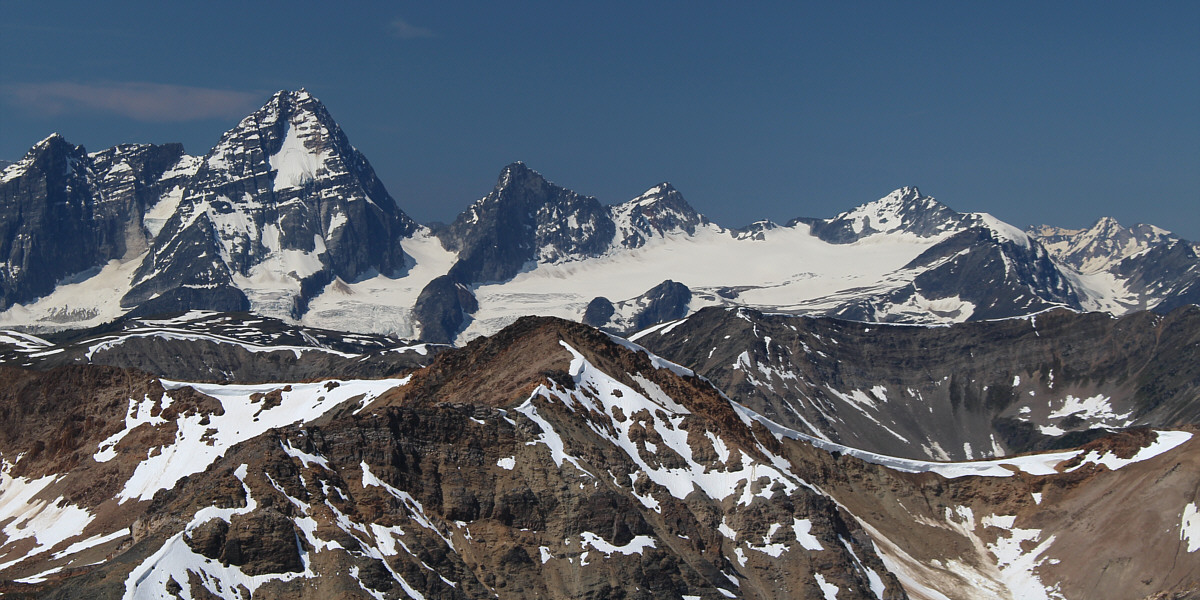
(53, 141)
(519, 174)
(906, 196)
(659, 211)
(287, 106)
(663, 196)
(517, 167)
(50, 150)
(53, 138)
(908, 192)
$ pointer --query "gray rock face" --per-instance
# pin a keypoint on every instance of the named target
(598, 312)
(442, 309)
(1164, 277)
(283, 196)
(525, 219)
(131, 180)
(48, 220)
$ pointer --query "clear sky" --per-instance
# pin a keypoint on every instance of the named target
(1038, 112)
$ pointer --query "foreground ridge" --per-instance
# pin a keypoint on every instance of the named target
(552, 460)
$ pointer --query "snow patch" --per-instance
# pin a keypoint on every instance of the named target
(1189, 527)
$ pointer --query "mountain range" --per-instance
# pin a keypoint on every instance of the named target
(250, 374)
(284, 217)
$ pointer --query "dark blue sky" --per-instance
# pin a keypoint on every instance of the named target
(1037, 112)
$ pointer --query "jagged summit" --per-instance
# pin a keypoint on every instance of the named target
(281, 206)
(525, 218)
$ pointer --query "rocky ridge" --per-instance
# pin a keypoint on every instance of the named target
(551, 460)
(975, 390)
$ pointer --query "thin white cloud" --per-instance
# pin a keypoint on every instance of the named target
(155, 102)
(407, 31)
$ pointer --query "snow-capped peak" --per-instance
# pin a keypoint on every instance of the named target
(887, 213)
(658, 212)
(904, 210)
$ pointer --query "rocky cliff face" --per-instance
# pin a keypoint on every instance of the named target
(133, 178)
(281, 206)
(974, 390)
(68, 212)
(48, 204)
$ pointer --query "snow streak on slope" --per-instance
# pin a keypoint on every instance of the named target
(248, 412)
(610, 401)
(27, 512)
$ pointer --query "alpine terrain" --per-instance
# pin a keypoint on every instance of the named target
(249, 374)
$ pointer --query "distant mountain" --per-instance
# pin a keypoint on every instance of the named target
(527, 221)
(986, 271)
(64, 212)
(1126, 268)
(51, 223)
(281, 206)
(660, 211)
(902, 211)
(1101, 246)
